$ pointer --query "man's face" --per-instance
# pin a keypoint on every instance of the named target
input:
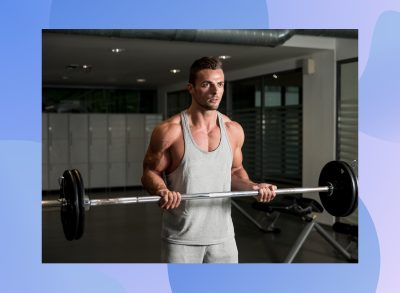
(208, 88)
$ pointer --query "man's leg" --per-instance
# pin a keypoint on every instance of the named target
(225, 252)
(179, 253)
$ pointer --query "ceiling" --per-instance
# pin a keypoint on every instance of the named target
(143, 58)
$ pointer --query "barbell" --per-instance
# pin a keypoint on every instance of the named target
(338, 191)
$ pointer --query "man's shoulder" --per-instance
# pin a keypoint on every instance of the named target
(234, 130)
(231, 126)
(169, 129)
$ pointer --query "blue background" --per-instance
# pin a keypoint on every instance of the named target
(21, 269)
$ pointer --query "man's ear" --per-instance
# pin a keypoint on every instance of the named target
(190, 88)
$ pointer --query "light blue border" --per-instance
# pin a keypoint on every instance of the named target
(20, 148)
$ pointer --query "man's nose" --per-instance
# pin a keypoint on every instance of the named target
(213, 88)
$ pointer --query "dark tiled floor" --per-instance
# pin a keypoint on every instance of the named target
(130, 234)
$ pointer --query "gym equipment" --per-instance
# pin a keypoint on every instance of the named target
(338, 191)
(307, 210)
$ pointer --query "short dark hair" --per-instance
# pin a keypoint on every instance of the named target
(203, 63)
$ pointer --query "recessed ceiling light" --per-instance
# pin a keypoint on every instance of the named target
(117, 50)
(175, 71)
(224, 57)
(141, 80)
(78, 67)
(86, 67)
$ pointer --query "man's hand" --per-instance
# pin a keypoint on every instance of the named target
(169, 199)
(266, 192)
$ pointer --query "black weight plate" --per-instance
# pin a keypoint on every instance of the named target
(81, 194)
(70, 210)
(354, 183)
(353, 208)
(343, 200)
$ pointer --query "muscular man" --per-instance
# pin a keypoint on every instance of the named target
(199, 151)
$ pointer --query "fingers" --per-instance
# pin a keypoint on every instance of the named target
(169, 199)
(266, 192)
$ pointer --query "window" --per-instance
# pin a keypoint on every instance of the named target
(347, 111)
(69, 100)
(177, 102)
(269, 108)
(347, 118)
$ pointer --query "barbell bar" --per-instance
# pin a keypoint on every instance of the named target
(338, 190)
(155, 198)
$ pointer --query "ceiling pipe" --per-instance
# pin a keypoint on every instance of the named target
(334, 33)
(253, 37)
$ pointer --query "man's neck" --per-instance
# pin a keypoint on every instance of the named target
(202, 119)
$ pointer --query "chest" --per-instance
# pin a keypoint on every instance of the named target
(206, 141)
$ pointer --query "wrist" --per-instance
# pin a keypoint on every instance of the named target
(161, 191)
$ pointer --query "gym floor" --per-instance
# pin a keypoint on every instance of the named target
(131, 234)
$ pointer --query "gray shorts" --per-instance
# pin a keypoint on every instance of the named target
(225, 252)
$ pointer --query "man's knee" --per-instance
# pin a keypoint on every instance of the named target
(225, 252)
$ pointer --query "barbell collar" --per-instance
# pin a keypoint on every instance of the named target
(49, 204)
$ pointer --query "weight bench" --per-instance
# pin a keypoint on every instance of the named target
(307, 209)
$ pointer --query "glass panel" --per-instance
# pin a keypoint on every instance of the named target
(272, 96)
(133, 102)
(347, 146)
(292, 96)
(258, 98)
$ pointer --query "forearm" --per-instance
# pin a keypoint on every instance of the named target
(241, 181)
(153, 182)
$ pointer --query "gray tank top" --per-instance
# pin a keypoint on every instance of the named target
(203, 221)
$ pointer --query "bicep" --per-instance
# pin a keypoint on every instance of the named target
(157, 156)
(155, 161)
(237, 161)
